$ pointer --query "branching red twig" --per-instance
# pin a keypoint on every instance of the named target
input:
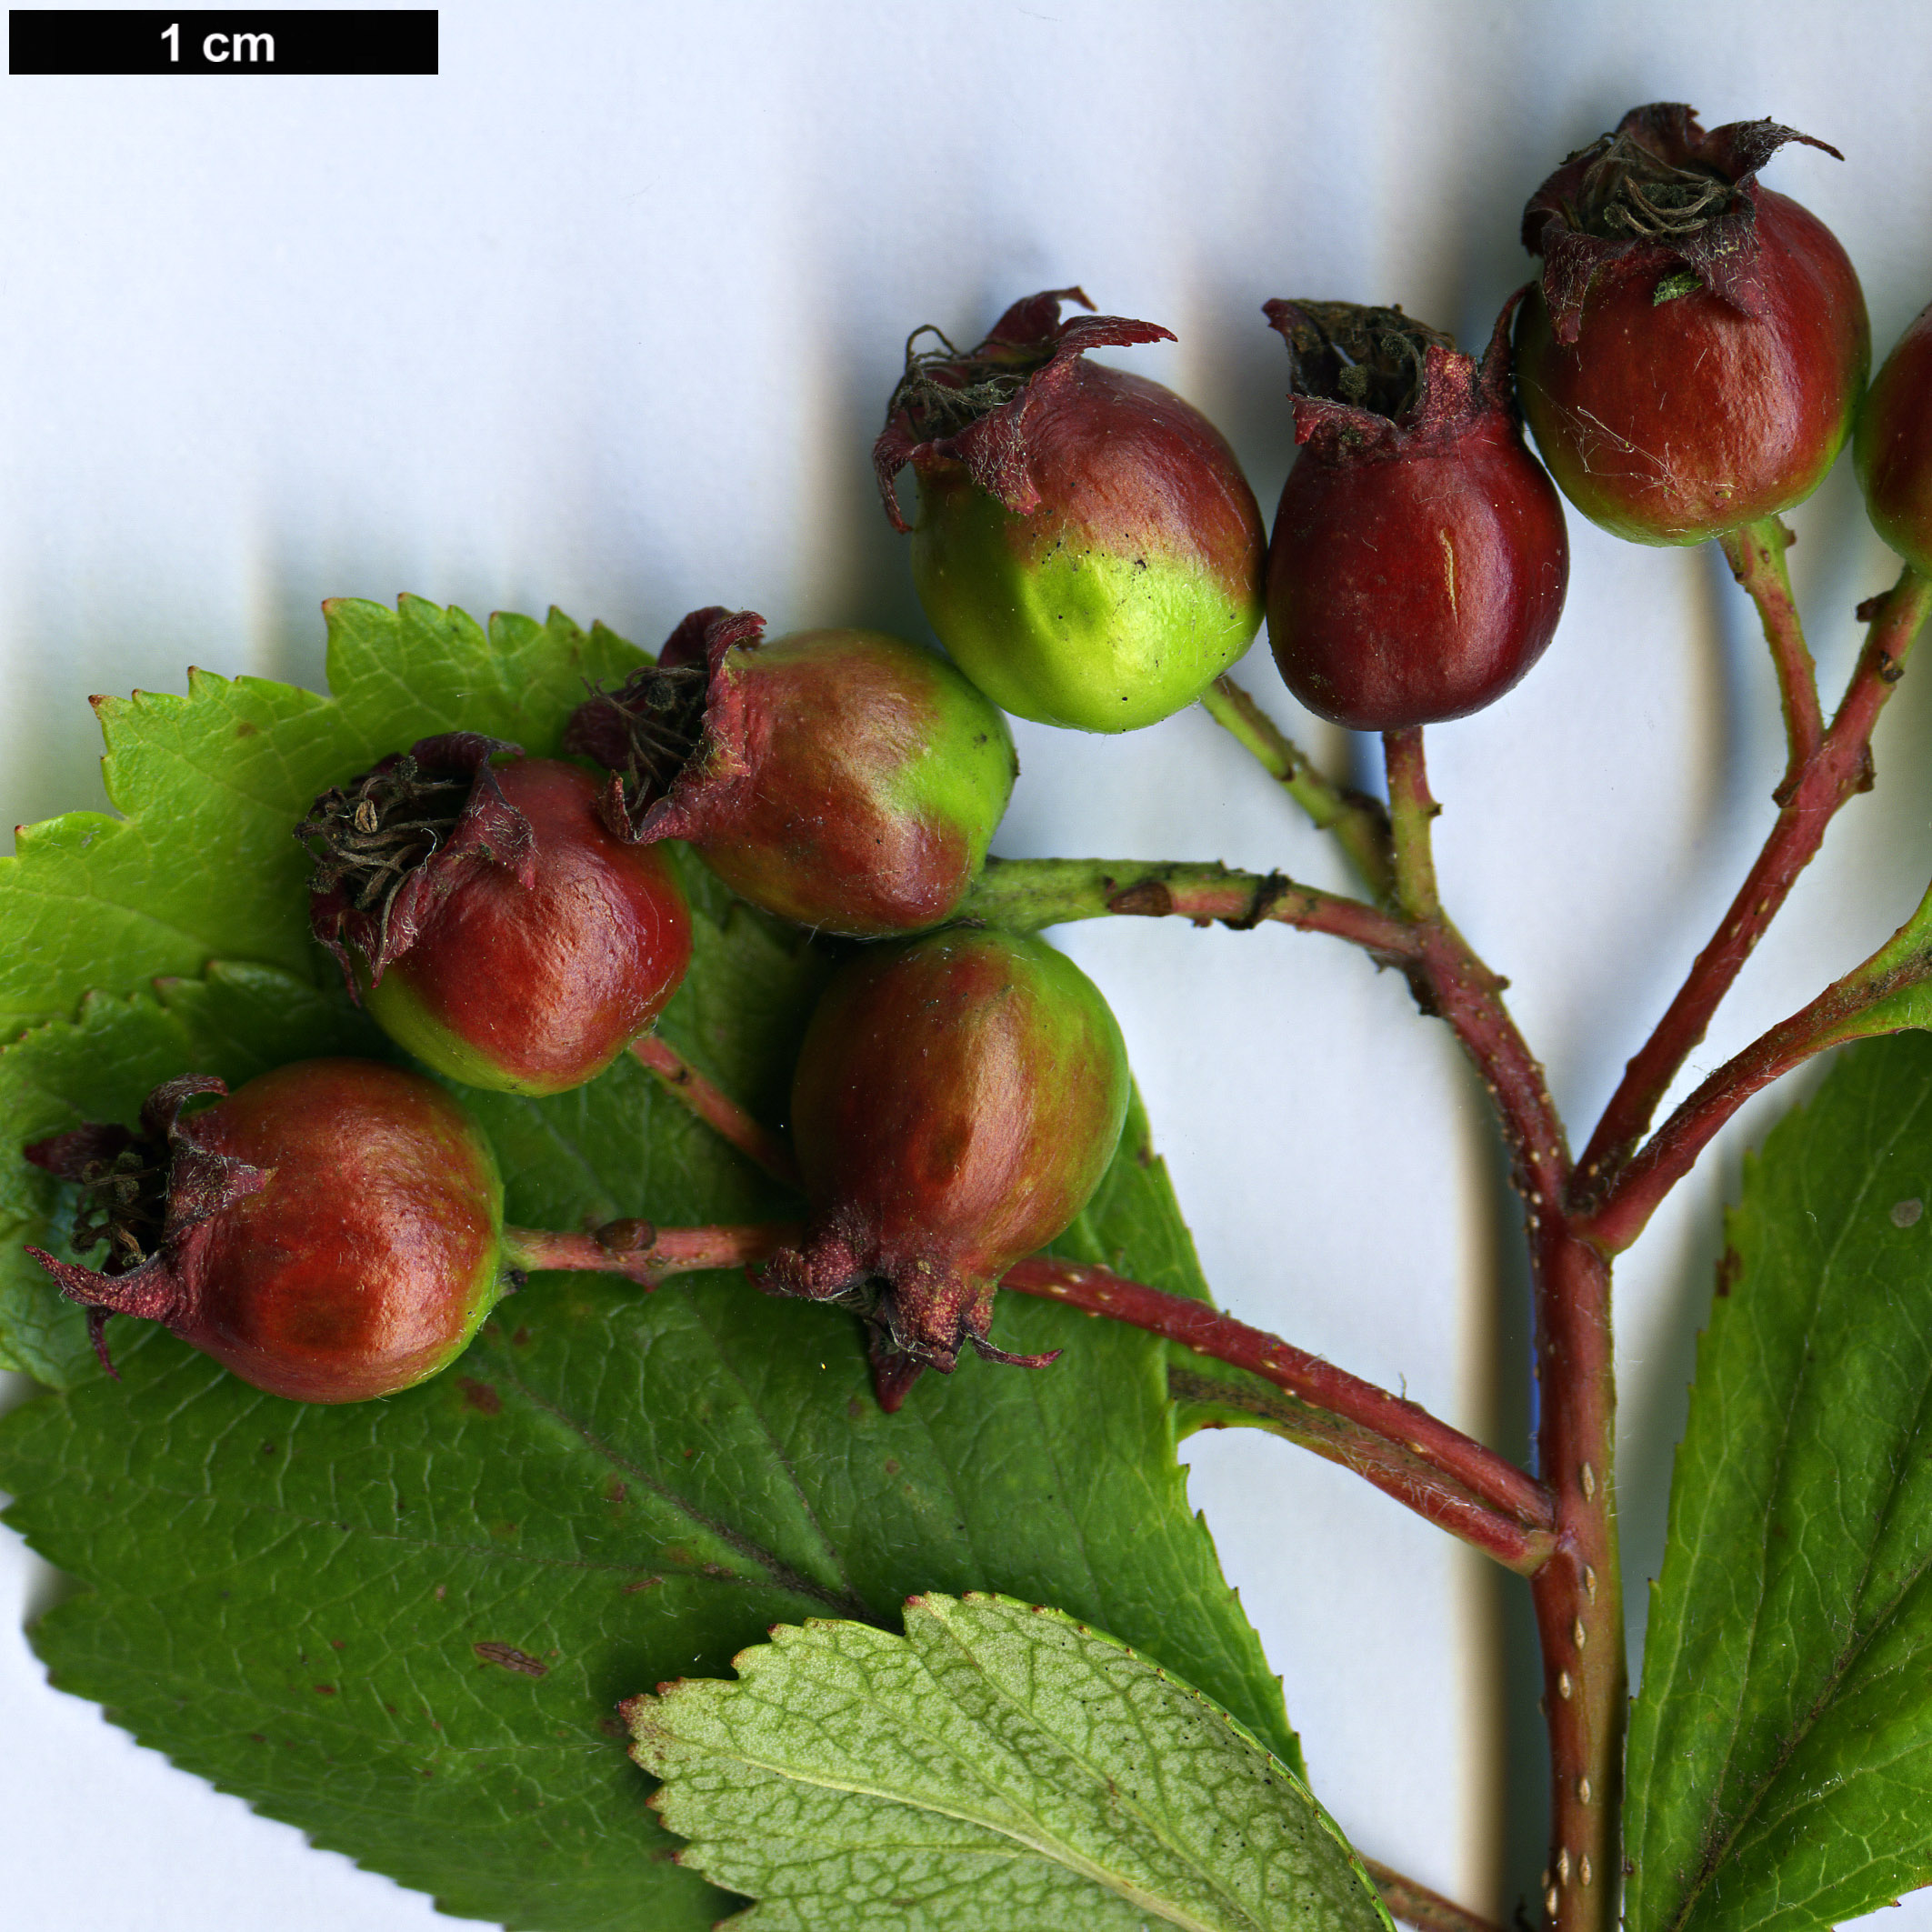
(1839, 768)
(1576, 1591)
(1850, 1008)
(1516, 1507)
(1443, 1474)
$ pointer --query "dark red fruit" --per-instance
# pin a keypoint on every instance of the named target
(957, 1102)
(1694, 349)
(1420, 556)
(487, 918)
(1894, 446)
(331, 1231)
(845, 779)
(1086, 547)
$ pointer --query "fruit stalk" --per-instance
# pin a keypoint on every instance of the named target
(1025, 895)
(1357, 821)
(1755, 553)
(1411, 811)
(1451, 983)
(717, 1109)
(642, 1253)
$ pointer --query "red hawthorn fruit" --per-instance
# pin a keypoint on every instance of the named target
(1419, 557)
(487, 918)
(1086, 547)
(1893, 450)
(1694, 349)
(956, 1101)
(844, 779)
(330, 1231)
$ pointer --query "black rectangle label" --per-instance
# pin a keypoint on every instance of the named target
(128, 40)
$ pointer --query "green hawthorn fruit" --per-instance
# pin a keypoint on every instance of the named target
(1086, 547)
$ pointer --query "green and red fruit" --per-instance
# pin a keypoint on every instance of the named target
(1419, 557)
(1086, 547)
(487, 918)
(956, 1101)
(1893, 449)
(331, 1231)
(1693, 352)
(844, 779)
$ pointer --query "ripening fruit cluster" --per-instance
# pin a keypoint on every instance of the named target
(1690, 357)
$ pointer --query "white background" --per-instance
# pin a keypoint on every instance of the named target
(605, 315)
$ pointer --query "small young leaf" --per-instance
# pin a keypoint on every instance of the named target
(1781, 1760)
(999, 1769)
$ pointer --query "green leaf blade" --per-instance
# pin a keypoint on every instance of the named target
(1000, 1766)
(1781, 1747)
(610, 1488)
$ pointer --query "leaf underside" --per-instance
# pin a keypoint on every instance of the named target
(405, 1625)
(999, 1769)
(1781, 1750)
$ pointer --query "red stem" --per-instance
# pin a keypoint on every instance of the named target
(718, 1110)
(1516, 1507)
(1386, 1466)
(1243, 903)
(1577, 1594)
(1451, 981)
(643, 1253)
(1486, 1499)
(1416, 1905)
(1843, 1011)
(1839, 766)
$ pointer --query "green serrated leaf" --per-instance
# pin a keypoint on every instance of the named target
(1781, 1760)
(405, 1625)
(203, 865)
(999, 1769)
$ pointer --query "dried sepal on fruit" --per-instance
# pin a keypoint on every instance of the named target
(1695, 344)
(488, 918)
(845, 779)
(957, 1099)
(1086, 547)
(1419, 557)
(331, 1231)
